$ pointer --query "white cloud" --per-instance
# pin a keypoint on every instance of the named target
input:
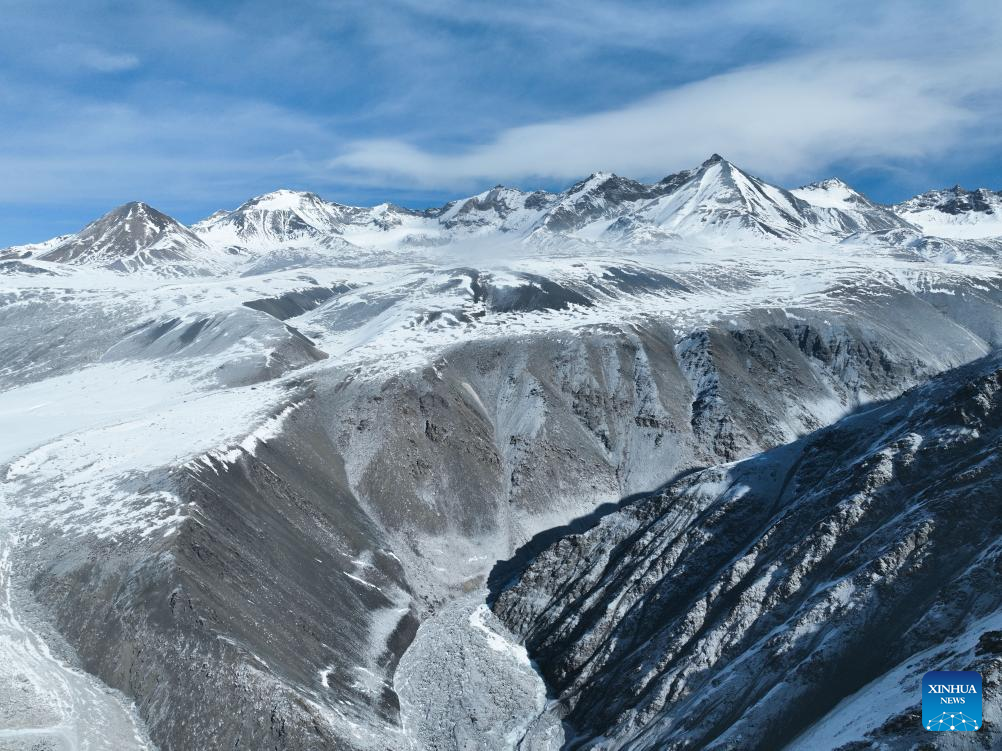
(781, 119)
(94, 58)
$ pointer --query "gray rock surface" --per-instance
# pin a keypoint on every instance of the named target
(749, 605)
(465, 684)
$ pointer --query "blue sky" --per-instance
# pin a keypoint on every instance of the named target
(195, 106)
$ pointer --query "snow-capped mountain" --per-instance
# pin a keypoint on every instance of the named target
(855, 212)
(721, 201)
(133, 237)
(498, 209)
(955, 213)
(714, 204)
(261, 476)
(593, 203)
(274, 219)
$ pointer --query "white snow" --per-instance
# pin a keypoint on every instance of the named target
(82, 434)
(967, 226)
(80, 482)
(478, 620)
(830, 194)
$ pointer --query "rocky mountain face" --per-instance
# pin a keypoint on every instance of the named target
(133, 237)
(759, 604)
(955, 212)
(855, 212)
(277, 218)
(259, 494)
(955, 201)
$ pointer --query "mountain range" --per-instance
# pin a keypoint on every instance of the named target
(703, 463)
(714, 203)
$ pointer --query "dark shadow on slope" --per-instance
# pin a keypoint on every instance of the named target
(507, 572)
(297, 302)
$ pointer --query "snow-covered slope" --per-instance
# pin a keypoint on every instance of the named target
(258, 474)
(721, 202)
(854, 211)
(499, 209)
(35, 249)
(955, 213)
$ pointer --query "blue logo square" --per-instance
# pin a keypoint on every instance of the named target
(951, 700)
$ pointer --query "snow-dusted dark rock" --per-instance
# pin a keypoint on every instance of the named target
(757, 605)
(133, 237)
(955, 212)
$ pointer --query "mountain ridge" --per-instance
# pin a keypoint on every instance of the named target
(715, 202)
(740, 604)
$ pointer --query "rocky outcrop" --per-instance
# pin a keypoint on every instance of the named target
(751, 605)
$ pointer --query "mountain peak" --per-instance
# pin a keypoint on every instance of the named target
(590, 183)
(831, 182)
(282, 199)
(955, 213)
(833, 193)
(131, 236)
(597, 178)
(132, 211)
(135, 206)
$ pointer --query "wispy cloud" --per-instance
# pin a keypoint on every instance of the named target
(782, 118)
(93, 58)
(891, 82)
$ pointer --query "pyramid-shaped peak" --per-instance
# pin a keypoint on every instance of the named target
(129, 237)
(133, 207)
(717, 160)
(717, 164)
(719, 172)
(132, 211)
